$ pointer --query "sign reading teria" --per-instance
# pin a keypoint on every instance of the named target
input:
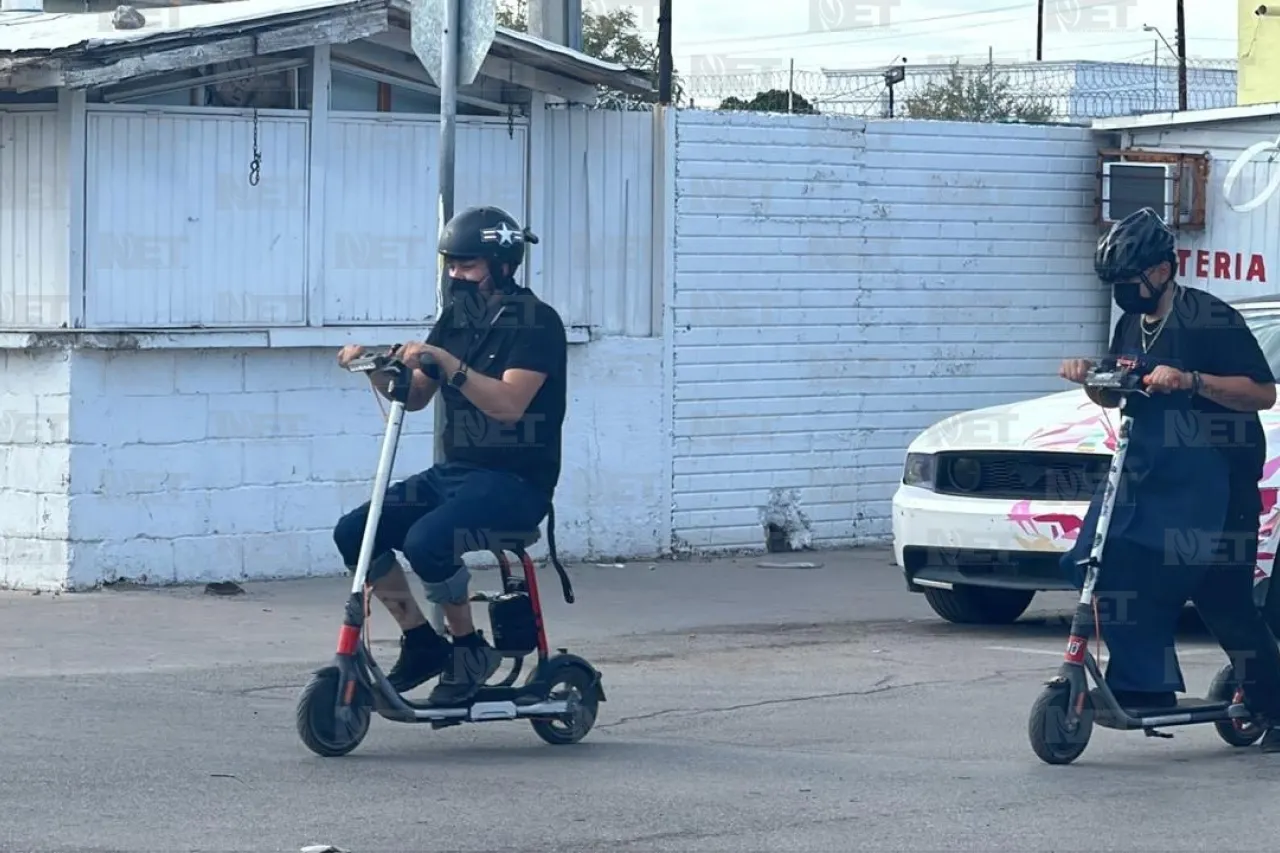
(477, 25)
(1231, 266)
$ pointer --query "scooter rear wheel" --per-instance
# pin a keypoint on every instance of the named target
(572, 684)
(1238, 733)
(317, 721)
(1051, 740)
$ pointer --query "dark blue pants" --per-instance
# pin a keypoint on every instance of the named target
(435, 517)
(1141, 595)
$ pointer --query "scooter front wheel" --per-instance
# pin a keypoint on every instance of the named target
(319, 724)
(1052, 739)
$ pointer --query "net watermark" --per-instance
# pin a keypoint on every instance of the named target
(34, 309)
(644, 13)
(975, 431)
(475, 430)
(1087, 16)
(139, 252)
(721, 65)
(369, 251)
(256, 308)
(275, 191)
(1223, 430)
(835, 16)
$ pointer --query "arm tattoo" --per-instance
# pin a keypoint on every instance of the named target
(1233, 392)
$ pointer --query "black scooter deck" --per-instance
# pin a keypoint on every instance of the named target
(1184, 705)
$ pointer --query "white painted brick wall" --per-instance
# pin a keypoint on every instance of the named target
(192, 466)
(842, 285)
(35, 467)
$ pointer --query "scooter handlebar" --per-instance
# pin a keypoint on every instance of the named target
(1117, 379)
(379, 363)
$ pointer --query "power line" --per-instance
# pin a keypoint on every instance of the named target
(956, 15)
(898, 25)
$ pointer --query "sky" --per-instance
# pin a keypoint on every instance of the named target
(713, 37)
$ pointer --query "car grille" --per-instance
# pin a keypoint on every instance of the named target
(1021, 476)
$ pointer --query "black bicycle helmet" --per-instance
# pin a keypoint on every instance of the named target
(485, 232)
(1134, 245)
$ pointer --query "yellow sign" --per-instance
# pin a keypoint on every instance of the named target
(1258, 78)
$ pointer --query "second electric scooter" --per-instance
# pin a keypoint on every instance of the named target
(1063, 716)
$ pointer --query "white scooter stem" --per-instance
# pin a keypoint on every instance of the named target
(386, 462)
(1108, 506)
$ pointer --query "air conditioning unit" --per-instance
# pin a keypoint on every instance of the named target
(1131, 186)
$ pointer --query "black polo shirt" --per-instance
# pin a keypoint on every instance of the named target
(1171, 432)
(521, 332)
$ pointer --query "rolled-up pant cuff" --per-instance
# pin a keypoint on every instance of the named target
(450, 591)
(378, 568)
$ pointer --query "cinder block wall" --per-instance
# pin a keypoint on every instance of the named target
(194, 465)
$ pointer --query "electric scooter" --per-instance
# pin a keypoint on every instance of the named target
(561, 695)
(1063, 716)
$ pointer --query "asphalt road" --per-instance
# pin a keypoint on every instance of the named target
(750, 709)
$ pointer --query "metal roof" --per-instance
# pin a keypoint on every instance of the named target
(85, 49)
(1187, 118)
(23, 33)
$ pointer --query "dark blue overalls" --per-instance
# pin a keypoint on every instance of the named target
(1170, 511)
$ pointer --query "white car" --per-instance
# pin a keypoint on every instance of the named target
(991, 499)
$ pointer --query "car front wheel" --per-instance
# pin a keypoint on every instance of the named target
(975, 605)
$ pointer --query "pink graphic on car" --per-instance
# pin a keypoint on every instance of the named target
(1088, 435)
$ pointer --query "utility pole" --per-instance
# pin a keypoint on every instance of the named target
(665, 66)
(1181, 39)
(1040, 31)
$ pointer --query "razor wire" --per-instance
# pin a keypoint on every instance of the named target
(1062, 91)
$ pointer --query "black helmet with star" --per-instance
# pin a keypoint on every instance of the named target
(489, 233)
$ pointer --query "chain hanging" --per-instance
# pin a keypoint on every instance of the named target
(511, 121)
(255, 165)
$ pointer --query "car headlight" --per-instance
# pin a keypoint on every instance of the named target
(965, 474)
(918, 470)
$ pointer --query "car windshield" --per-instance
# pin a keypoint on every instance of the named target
(1266, 328)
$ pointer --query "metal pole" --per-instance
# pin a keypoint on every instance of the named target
(791, 88)
(1040, 31)
(1155, 75)
(665, 65)
(1182, 57)
(444, 211)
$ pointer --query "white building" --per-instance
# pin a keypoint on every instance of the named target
(1232, 253)
(175, 280)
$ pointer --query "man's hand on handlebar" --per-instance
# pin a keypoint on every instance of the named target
(348, 354)
(1164, 379)
(1075, 370)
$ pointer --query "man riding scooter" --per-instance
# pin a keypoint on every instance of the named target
(1185, 523)
(498, 357)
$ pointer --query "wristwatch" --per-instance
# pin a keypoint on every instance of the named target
(459, 377)
(1197, 382)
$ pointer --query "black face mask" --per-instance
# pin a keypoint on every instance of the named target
(468, 302)
(1129, 298)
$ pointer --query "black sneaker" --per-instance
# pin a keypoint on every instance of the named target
(424, 654)
(474, 662)
(1271, 740)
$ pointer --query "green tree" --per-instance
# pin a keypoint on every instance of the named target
(977, 94)
(612, 37)
(772, 101)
